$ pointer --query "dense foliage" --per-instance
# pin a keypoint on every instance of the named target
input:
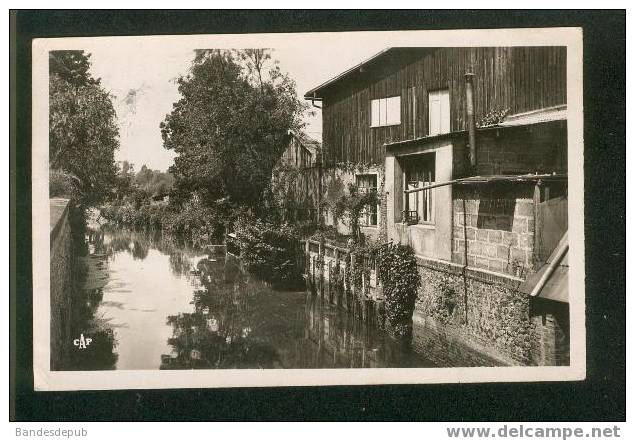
(271, 252)
(230, 126)
(192, 222)
(83, 134)
(62, 184)
(400, 280)
(153, 183)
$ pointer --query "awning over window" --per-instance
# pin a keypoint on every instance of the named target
(495, 178)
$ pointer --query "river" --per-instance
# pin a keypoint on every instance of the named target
(169, 306)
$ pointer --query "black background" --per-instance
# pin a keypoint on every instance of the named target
(599, 398)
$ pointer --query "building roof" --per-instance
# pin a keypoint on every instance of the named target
(548, 114)
(317, 92)
(311, 144)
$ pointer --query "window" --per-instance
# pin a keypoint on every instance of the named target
(385, 112)
(439, 112)
(419, 172)
(367, 183)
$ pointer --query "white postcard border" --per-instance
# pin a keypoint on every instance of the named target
(45, 379)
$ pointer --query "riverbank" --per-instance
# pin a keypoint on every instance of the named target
(77, 278)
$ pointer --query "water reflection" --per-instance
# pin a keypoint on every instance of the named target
(149, 278)
(170, 306)
(239, 322)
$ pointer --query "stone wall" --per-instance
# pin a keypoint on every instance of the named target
(446, 347)
(550, 342)
(493, 225)
(61, 279)
(487, 311)
(464, 307)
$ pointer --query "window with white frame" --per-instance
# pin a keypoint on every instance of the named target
(439, 112)
(385, 111)
(419, 173)
(367, 183)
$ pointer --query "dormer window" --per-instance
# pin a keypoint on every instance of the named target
(385, 112)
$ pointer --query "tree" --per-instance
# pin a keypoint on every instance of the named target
(83, 134)
(153, 182)
(72, 67)
(230, 126)
(124, 185)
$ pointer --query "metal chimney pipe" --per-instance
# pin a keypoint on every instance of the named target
(471, 121)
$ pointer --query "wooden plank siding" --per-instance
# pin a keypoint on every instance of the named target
(520, 79)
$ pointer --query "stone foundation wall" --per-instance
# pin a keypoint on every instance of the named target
(550, 322)
(487, 311)
(445, 347)
(471, 307)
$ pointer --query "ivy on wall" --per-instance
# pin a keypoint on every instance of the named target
(350, 205)
(400, 279)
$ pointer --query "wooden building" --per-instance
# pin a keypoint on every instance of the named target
(301, 152)
(467, 148)
(297, 177)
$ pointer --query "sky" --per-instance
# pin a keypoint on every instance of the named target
(142, 79)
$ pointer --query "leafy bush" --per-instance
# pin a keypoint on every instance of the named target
(193, 221)
(400, 280)
(269, 251)
(61, 184)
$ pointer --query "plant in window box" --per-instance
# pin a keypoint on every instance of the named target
(411, 214)
(411, 217)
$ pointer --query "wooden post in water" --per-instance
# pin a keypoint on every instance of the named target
(338, 282)
(320, 265)
(313, 271)
(328, 278)
(307, 257)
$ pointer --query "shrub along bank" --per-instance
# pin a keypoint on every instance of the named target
(192, 222)
(400, 281)
(272, 252)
